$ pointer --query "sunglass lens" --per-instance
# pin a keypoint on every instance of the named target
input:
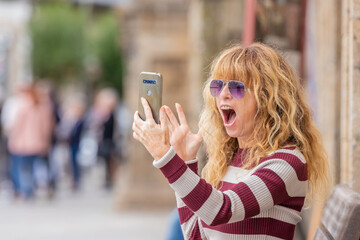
(237, 89)
(215, 87)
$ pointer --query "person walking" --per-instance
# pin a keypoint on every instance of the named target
(102, 121)
(69, 131)
(29, 138)
(265, 155)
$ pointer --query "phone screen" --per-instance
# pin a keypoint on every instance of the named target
(150, 88)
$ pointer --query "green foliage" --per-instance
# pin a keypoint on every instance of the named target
(107, 51)
(67, 41)
(57, 32)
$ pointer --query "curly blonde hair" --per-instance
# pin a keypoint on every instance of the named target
(283, 117)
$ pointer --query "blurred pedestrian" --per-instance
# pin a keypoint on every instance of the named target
(44, 169)
(262, 145)
(29, 138)
(8, 114)
(69, 131)
(102, 119)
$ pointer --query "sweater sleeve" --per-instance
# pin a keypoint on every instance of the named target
(189, 221)
(271, 182)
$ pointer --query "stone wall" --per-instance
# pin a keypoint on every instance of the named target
(155, 39)
(350, 94)
(177, 38)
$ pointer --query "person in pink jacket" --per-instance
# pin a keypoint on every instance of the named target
(29, 137)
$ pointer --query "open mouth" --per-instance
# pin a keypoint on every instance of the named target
(229, 115)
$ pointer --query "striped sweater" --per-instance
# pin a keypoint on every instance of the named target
(262, 203)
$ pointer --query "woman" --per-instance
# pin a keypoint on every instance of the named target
(263, 150)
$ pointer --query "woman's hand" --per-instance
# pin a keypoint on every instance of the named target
(185, 143)
(155, 137)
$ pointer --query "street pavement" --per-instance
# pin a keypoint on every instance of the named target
(89, 214)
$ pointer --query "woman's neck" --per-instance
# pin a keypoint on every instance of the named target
(244, 142)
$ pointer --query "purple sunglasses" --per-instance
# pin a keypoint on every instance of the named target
(236, 88)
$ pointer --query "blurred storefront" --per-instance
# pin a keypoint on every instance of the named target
(15, 45)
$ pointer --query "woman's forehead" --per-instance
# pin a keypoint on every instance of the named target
(231, 75)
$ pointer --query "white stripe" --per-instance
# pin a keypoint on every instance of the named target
(287, 173)
(281, 213)
(192, 161)
(237, 207)
(215, 235)
(165, 159)
(179, 202)
(201, 227)
(185, 183)
(211, 206)
(235, 174)
(295, 152)
(188, 226)
(261, 192)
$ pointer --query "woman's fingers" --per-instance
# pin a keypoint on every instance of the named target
(137, 137)
(137, 120)
(181, 114)
(137, 133)
(147, 109)
(163, 119)
(172, 117)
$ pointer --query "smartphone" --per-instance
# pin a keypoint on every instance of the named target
(150, 88)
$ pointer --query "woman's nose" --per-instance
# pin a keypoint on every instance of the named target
(225, 93)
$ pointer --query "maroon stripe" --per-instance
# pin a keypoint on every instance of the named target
(174, 169)
(226, 186)
(295, 203)
(185, 214)
(194, 167)
(225, 212)
(197, 197)
(251, 205)
(195, 235)
(274, 183)
(299, 167)
(257, 226)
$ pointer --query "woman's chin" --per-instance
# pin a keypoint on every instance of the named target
(231, 133)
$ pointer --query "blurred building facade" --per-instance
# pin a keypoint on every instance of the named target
(333, 45)
(15, 46)
(155, 35)
(170, 37)
(179, 38)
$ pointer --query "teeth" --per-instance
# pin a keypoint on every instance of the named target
(225, 107)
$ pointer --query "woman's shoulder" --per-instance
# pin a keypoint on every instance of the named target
(287, 153)
(290, 156)
(287, 159)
